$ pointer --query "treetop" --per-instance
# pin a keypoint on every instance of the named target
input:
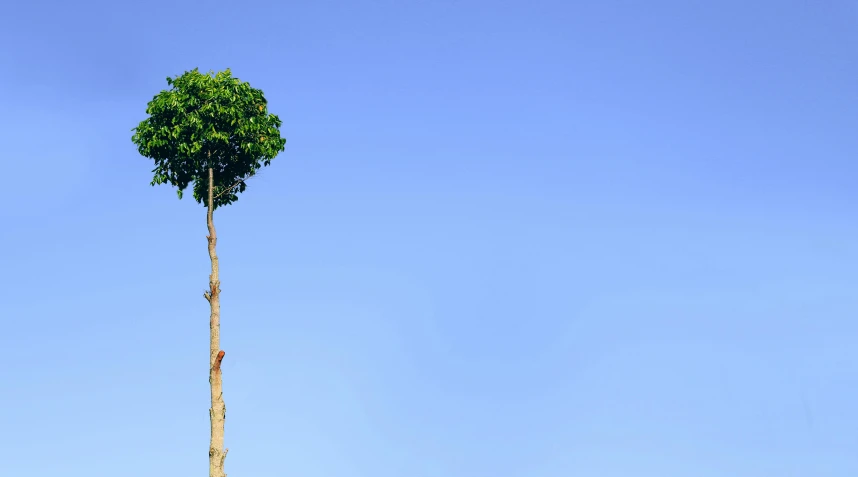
(208, 121)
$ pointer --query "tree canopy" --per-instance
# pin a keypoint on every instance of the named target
(208, 121)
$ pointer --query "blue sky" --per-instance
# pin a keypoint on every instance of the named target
(536, 239)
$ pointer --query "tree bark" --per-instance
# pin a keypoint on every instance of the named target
(217, 413)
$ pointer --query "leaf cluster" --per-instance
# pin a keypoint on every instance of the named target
(208, 121)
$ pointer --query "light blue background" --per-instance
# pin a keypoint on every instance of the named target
(536, 239)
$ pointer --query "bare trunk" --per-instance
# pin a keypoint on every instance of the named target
(217, 413)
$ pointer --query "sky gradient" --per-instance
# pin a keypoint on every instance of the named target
(506, 239)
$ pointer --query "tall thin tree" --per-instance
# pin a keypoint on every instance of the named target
(213, 131)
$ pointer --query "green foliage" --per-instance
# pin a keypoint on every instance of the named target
(208, 121)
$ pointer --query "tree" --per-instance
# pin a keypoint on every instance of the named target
(213, 131)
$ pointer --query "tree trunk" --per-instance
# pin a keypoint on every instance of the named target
(217, 413)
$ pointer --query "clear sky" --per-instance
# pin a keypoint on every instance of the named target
(506, 239)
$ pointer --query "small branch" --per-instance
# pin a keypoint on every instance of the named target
(218, 360)
(233, 186)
